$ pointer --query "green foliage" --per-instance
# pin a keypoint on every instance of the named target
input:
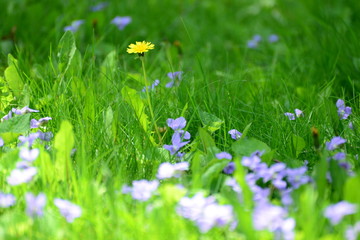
(64, 144)
(104, 129)
(16, 124)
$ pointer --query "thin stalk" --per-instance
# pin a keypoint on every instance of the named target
(149, 100)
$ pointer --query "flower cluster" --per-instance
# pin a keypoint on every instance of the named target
(256, 39)
(179, 135)
(25, 172)
(15, 111)
(291, 116)
(206, 212)
(284, 179)
(152, 87)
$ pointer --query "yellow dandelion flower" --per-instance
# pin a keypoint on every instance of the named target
(140, 47)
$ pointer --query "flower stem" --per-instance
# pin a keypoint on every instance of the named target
(149, 100)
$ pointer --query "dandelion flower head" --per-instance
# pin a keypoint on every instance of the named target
(140, 47)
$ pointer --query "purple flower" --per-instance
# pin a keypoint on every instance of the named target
(252, 44)
(274, 219)
(121, 22)
(19, 176)
(45, 136)
(155, 83)
(273, 38)
(205, 212)
(29, 155)
(343, 111)
(339, 156)
(230, 168)
(35, 123)
(177, 138)
(1, 142)
(191, 208)
(68, 209)
(336, 212)
(296, 176)
(286, 198)
(170, 84)
(291, 116)
(352, 233)
(6, 200)
(174, 76)
(142, 190)
(74, 26)
(334, 143)
(29, 139)
(177, 143)
(298, 113)
(251, 162)
(215, 215)
(231, 182)
(35, 204)
(98, 7)
(257, 38)
(176, 124)
(235, 134)
(16, 111)
(168, 170)
(223, 155)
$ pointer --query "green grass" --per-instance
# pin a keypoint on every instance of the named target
(95, 98)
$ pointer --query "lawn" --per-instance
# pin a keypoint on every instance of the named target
(191, 119)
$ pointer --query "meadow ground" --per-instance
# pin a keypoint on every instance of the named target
(241, 121)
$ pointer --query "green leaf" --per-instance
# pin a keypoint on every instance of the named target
(133, 99)
(17, 124)
(63, 144)
(246, 130)
(297, 144)
(207, 141)
(213, 172)
(351, 193)
(12, 76)
(246, 146)
(211, 122)
(66, 51)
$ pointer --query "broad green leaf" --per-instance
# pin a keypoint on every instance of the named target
(63, 144)
(196, 170)
(133, 99)
(246, 146)
(297, 144)
(351, 192)
(321, 168)
(210, 122)
(12, 76)
(6, 95)
(213, 172)
(17, 124)
(47, 169)
(66, 51)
